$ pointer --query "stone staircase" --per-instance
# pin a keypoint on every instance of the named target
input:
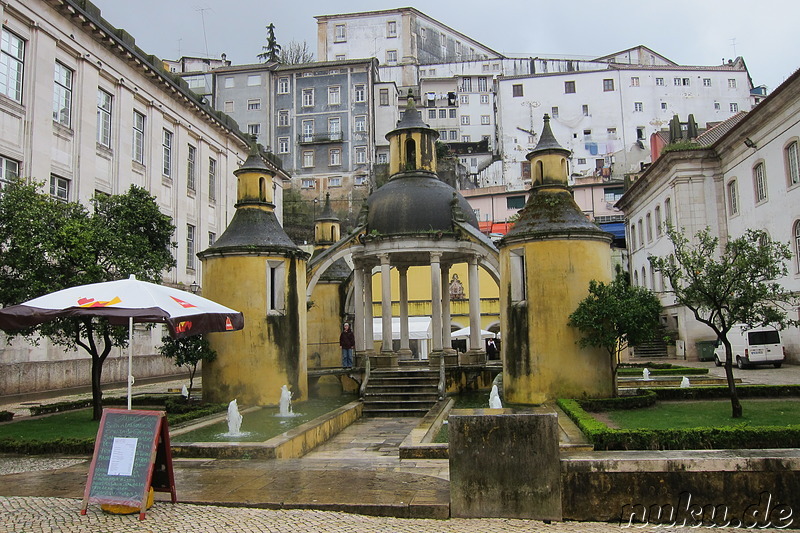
(656, 348)
(401, 392)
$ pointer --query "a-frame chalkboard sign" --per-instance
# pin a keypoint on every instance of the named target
(131, 454)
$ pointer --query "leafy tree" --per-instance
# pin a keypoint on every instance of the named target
(188, 352)
(47, 245)
(733, 285)
(298, 216)
(615, 315)
(271, 52)
(296, 53)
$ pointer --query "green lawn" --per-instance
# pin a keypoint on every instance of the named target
(707, 413)
(70, 424)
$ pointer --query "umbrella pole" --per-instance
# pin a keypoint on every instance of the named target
(130, 359)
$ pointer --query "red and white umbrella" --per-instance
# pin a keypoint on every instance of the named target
(127, 301)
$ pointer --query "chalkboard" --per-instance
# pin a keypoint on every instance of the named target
(129, 445)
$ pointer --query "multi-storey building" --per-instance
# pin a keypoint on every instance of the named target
(743, 173)
(85, 111)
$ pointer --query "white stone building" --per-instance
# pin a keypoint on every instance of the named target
(746, 176)
(85, 111)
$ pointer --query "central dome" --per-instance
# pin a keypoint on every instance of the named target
(415, 202)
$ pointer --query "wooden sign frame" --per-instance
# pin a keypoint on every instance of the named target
(131, 454)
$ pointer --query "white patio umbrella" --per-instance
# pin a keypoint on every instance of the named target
(127, 300)
(463, 333)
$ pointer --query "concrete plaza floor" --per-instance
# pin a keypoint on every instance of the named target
(359, 472)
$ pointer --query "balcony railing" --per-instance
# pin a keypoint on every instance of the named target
(327, 137)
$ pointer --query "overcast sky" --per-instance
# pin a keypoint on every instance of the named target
(689, 32)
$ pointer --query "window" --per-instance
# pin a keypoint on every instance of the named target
(731, 84)
(485, 119)
(663, 106)
(668, 211)
(212, 180)
(797, 244)
(308, 183)
(569, 87)
(104, 118)
(453, 135)
(62, 96)
(229, 83)
(212, 238)
(464, 98)
(360, 93)
(585, 109)
(166, 145)
(190, 229)
(587, 134)
(466, 84)
(137, 150)
(733, 198)
(633, 236)
(391, 28)
(254, 105)
(253, 80)
(516, 89)
(308, 159)
(515, 202)
(554, 111)
(308, 97)
(59, 188)
(611, 132)
(660, 81)
(9, 170)
(360, 180)
(484, 98)
(431, 113)
(227, 107)
(12, 50)
(335, 128)
(634, 81)
(334, 95)
(254, 129)
(641, 233)
(482, 85)
(676, 82)
(706, 82)
(276, 272)
(518, 278)
(734, 107)
(384, 96)
(466, 138)
(635, 277)
(391, 56)
(649, 225)
(717, 106)
(283, 117)
(685, 81)
(283, 145)
(612, 194)
(658, 221)
(465, 120)
(361, 155)
(581, 160)
(360, 122)
(608, 85)
(283, 85)
(190, 168)
(335, 181)
(792, 167)
(335, 157)
(760, 182)
(383, 158)
(339, 33)
(442, 113)
(308, 130)
(638, 106)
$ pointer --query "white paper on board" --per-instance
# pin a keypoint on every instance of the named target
(123, 452)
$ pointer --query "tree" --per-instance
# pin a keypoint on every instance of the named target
(616, 315)
(296, 53)
(736, 285)
(188, 352)
(271, 52)
(298, 216)
(47, 245)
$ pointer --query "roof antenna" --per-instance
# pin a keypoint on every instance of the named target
(202, 11)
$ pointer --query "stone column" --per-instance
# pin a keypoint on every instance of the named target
(476, 352)
(358, 304)
(405, 348)
(387, 356)
(369, 339)
(436, 303)
(447, 343)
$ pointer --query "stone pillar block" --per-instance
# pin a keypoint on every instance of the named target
(505, 464)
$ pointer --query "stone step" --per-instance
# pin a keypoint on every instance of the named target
(413, 382)
(391, 413)
(371, 396)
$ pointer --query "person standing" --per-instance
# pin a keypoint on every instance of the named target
(347, 340)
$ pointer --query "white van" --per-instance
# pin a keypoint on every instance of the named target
(756, 346)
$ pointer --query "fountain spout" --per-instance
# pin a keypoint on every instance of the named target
(285, 406)
(646, 374)
(234, 419)
(494, 399)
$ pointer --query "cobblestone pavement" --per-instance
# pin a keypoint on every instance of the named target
(58, 515)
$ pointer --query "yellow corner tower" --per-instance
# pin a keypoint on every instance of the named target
(546, 263)
(255, 268)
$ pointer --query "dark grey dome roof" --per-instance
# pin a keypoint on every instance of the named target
(414, 202)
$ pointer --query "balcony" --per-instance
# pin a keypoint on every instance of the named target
(318, 138)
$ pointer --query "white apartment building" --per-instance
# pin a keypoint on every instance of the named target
(85, 111)
(607, 116)
(747, 176)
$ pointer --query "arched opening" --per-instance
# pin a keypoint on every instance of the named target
(334, 236)
(262, 189)
(411, 154)
(539, 172)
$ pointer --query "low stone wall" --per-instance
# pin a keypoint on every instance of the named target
(41, 376)
(692, 488)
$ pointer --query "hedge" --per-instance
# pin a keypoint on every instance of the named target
(743, 391)
(5, 416)
(643, 398)
(674, 371)
(59, 407)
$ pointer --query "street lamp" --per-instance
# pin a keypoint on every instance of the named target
(194, 287)
(314, 220)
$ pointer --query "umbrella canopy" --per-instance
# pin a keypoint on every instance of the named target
(463, 333)
(184, 313)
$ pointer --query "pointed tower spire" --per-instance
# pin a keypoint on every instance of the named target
(412, 144)
(327, 229)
